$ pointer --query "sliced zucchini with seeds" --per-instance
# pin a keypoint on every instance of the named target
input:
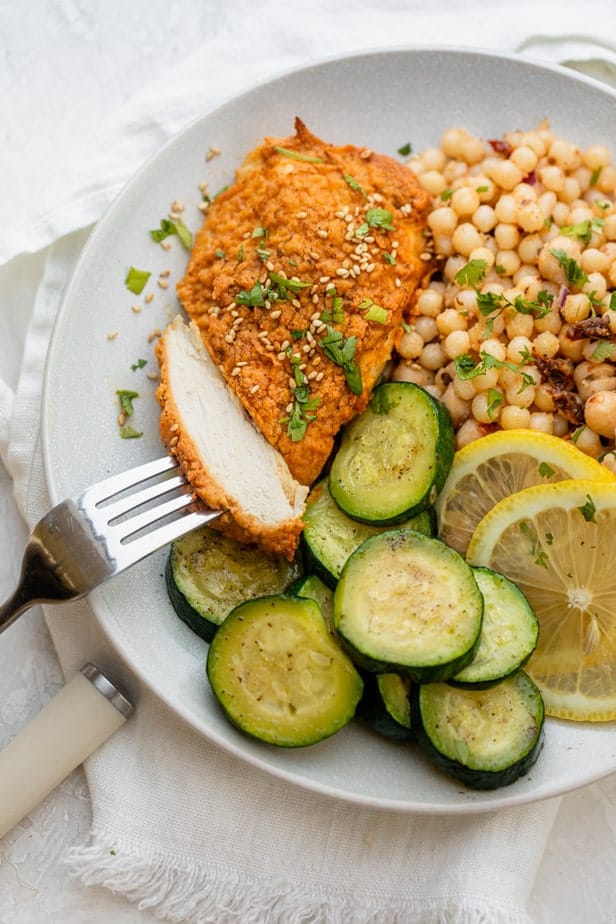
(207, 575)
(486, 738)
(330, 536)
(409, 604)
(278, 674)
(508, 635)
(394, 457)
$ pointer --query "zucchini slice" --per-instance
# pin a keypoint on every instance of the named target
(278, 674)
(312, 587)
(207, 575)
(385, 705)
(484, 737)
(509, 631)
(330, 536)
(394, 457)
(409, 604)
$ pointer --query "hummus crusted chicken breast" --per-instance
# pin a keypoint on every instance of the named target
(299, 280)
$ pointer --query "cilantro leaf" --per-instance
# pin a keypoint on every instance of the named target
(472, 273)
(576, 277)
(168, 228)
(126, 397)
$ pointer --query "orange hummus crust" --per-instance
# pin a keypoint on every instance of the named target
(345, 225)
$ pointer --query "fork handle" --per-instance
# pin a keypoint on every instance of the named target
(18, 603)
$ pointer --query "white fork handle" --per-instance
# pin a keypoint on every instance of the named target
(67, 730)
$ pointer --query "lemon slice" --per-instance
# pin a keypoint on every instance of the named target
(500, 464)
(556, 542)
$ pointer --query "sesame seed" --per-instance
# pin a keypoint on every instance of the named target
(174, 440)
(340, 214)
(425, 256)
(254, 389)
(316, 316)
(341, 271)
(136, 308)
(322, 233)
(285, 344)
(395, 244)
(291, 383)
(112, 335)
(315, 299)
(230, 337)
(164, 273)
(263, 335)
(242, 363)
(177, 205)
(274, 315)
(301, 215)
(212, 152)
(319, 376)
(324, 279)
(122, 418)
(365, 154)
(203, 207)
(174, 427)
(289, 408)
(315, 255)
(281, 356)
(312, 375)
(163, 283)
(398, 282)
(348, 219)
(306, 348)
(166, 245)
(296, 303)
(406, 209)
(152, 376)
(317, 360)
(235, 371)
(269, 266)
(302, 366)
(154, 334)
(149, 297)
(370, 267)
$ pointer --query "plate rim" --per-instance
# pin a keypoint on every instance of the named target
(467, 806)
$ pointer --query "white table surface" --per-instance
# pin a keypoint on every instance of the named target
(93, 60)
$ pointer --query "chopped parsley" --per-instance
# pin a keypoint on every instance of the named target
(295, 155)
(136, 280)
(594, 179)
(495, 399)
(583, 230)
(604, 350)
(376, 218)
(588, 509)
(355, 186)
(341, 351)
(129, 433)
(253, 298)
(284, 288)
(139, 365)
(472, 273)
(405, 149)
(300, 416)
(446, 195)
(576, 277)
(467, 368)
(168, 228)
(374, 312)
(545, 470)
(126, 397)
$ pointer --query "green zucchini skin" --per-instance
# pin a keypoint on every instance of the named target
(203, 627)
(330, 536)
(505, 753)
(394, 457)
(208, 574)
(385, 706)
(278, 674)
(408, 604)
(312, 587)
(509, 632)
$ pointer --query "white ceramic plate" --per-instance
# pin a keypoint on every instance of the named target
(381, 100)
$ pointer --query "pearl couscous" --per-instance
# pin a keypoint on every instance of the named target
(517, 326)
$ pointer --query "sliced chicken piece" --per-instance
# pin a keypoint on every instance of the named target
(228, 462)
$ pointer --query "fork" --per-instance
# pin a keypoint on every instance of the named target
(83, 541)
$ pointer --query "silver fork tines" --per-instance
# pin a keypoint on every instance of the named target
(112, 525)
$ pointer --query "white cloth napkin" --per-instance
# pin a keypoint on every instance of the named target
(179, 826)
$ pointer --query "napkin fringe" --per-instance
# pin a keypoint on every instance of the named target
(190, 893)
